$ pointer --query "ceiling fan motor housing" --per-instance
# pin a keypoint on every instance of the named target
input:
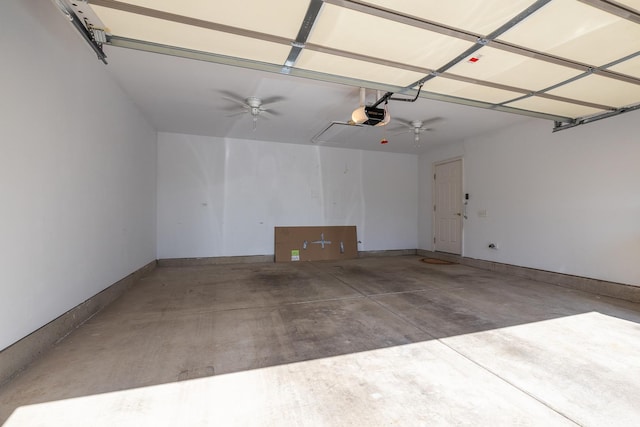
(254, 104)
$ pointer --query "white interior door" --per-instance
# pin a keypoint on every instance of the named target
(448, 207)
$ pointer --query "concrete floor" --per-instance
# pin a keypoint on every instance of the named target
(372, 341)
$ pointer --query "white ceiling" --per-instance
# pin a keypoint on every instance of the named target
(566, 61)
(184, 96)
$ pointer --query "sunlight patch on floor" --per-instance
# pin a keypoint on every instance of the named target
(483, 378)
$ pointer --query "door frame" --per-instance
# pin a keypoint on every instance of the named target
(433, 201)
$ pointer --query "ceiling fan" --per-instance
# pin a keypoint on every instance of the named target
(417, 127)
(252, 105)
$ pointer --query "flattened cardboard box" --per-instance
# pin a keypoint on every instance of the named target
(315, 243)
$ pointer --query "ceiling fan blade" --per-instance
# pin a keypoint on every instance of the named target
(403, 122)
(272, 112)
(232, 95)
(403, 132)
(237, 101)
(397, 128)
(233, 109)
(431, 120)
(237, 113)
(272, 99)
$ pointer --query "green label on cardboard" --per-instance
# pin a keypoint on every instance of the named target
(295, 255)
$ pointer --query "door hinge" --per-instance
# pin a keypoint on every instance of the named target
(434, 176)
(434, 208)
(434, 240)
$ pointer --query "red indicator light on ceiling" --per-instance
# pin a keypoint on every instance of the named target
(474, 59)
(384, 141)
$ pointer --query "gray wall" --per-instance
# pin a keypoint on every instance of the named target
(223, 197)
(77, 172)
(567, 202)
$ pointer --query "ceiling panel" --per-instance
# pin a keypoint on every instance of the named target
(601, 90)
(511, 69)
(480, 17)
(255, 15)
(630, 67)
(551, 106)
(352, 31)
(139, 27)
(394, 49)
(469, 91)
(356, 69)
(574, 30)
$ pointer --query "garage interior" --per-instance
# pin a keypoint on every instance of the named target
(141, 190)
